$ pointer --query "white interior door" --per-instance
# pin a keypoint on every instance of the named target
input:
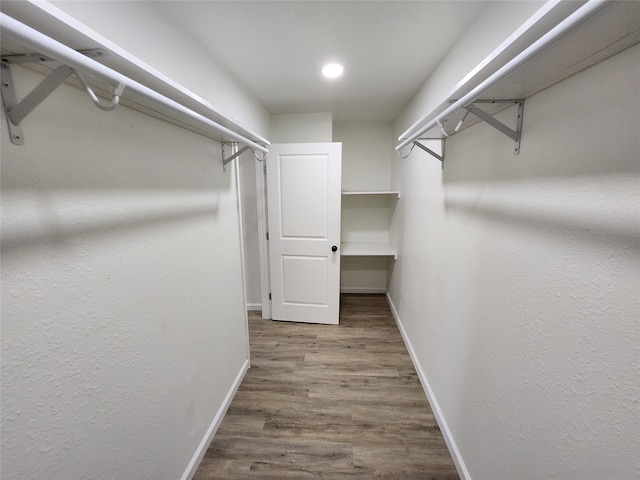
(303, 190)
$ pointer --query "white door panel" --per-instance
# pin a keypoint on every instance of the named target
(304, 224)
(312, 291)
(303, 182)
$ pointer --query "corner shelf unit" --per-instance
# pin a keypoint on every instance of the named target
(368, 248)
(558, 41)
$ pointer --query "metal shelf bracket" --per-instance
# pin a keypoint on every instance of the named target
(16, 111)
(431, 152)
(515, 135)
(482, 115)
(236, 153)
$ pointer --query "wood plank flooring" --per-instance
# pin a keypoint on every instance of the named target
(330, 402)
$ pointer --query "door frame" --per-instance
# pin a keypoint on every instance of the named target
(263, 243)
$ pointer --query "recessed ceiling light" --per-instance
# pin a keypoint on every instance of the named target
(332, 70)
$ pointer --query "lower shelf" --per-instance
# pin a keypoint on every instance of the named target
(362, 249)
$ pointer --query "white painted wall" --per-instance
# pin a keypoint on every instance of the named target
(185, 60)
(123, 318)
(517, 283)
(365, 152)
(247, 170)
(301, 128)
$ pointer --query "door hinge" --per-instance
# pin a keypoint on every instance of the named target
(267, 235)
(269, 295)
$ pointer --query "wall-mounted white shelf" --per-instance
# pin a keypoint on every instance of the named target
(558, 41)
(370, 213)
(147, 84)
(365, 249)
(391, 193)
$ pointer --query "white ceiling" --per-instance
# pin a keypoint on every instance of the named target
(277, 48)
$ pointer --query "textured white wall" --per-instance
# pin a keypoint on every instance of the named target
(301, 128)
(247, 170)
(123, 323)
(365, 152)
(517, 282)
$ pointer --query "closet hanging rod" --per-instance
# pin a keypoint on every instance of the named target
(572, 21)
(47, 46)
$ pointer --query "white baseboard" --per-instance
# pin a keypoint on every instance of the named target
(211, 431)
(254, 306)
(362, 290)
(437, 412)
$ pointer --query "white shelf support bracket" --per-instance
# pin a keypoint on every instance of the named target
(16, 111)
(431, 152)
(9, 101)
(237, 153)
(515, 135)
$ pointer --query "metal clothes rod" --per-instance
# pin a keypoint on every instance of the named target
(47, 46)
(572, 21)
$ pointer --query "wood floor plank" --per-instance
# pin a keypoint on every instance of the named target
(331, 402)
